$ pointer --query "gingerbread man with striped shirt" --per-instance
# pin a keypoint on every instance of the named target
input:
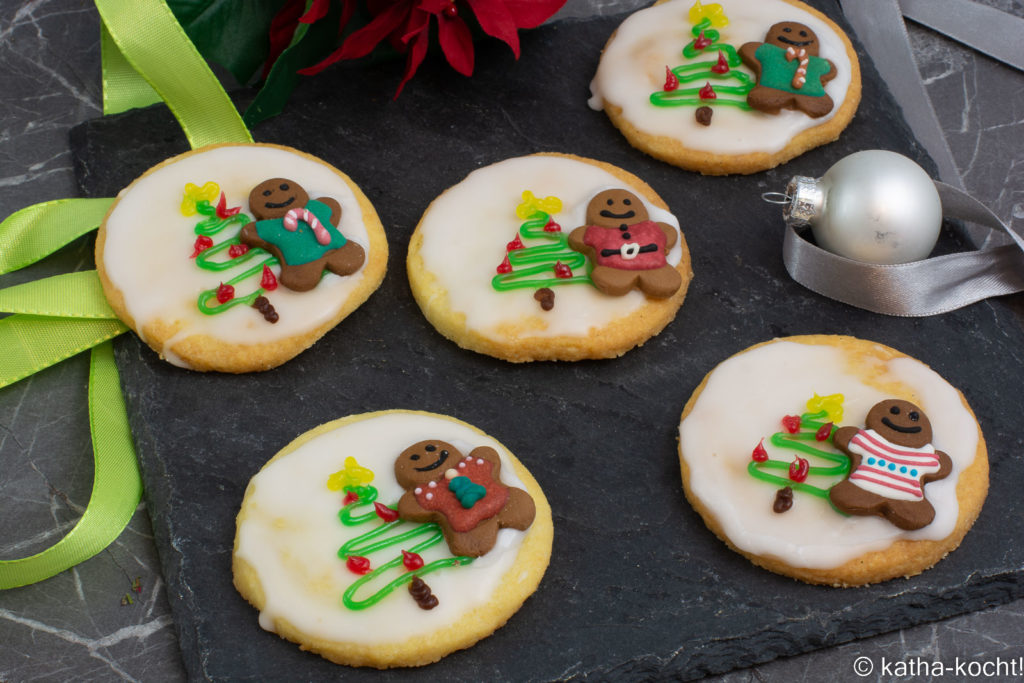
(891, 460)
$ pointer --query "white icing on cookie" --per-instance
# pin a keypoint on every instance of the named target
(466, 229)
(743, 402)
(149, 243)
(633, 66)
(291, 535)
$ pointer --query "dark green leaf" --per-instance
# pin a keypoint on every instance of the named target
(232, 33)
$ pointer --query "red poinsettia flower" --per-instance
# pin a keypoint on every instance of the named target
(406, 25)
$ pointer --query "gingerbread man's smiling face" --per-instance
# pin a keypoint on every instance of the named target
(792, 34)
(614, 208)
(275, 197)
(900, 422)
(425, 461)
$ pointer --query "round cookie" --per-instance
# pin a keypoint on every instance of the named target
(237, 258)
(736, 87)
(549, 257)
(391, 539)
(833, 460)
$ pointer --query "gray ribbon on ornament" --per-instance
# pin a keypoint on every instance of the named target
(935, 285)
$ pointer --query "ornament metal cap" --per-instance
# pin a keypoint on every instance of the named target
(806, 200)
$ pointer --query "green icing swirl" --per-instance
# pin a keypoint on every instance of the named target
(207, 301)
(701, 71)
(532, 266)
(381, 538)
(802, 442)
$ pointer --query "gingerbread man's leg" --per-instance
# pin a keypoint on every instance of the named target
(909, 514)
(345, 260)
(660, 283)
(473, 543)
(614, 281)
(304, 277)
(815, 107)
(853, 499)
(768, 100)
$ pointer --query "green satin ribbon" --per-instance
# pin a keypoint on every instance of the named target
(37, 231)
(116, 486)
(151, 41)
(146, 57)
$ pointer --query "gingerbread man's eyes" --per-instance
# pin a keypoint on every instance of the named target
(284, 187)
(267, 193)
(803, 34)
(895, 410)
(611, 202)
(914, 416)
(626, 202)
(787, 30)
(414, 456)
(431, 448)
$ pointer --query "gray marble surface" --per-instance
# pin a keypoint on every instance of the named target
(109, 617)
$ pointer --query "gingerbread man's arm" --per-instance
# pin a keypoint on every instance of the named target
(841, 440)
(945, 467)
(670, 235)
(576, 239)
(490, 455)
(832, 72)
(335, 208)
(746, 53)
(410, 509)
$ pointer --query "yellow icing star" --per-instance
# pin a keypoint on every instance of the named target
(195, 194)
(532, 204)
(715, 13)
(831, 404)
(351, 476)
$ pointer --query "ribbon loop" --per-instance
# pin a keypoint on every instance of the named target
(39, 230)
(71, 295)
(922, 288)
(116, 486)
(153, 43)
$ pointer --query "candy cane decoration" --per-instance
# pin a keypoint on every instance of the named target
(291, 223)
(801, 72)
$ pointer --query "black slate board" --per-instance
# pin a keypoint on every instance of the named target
(637, 586)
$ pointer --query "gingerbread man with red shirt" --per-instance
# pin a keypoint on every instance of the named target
(463, 494)
(628, 248)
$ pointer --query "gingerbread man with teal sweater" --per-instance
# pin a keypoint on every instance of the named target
(790, 74)
(301, 232)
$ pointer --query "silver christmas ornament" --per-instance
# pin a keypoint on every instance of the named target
(873, 206)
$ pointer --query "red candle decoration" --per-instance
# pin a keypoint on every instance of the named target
(350, 497)
(701, 41)
(759, 453)
(357, 564)
(823, 432)
(517, 243)
(552, 226)
(222, 208)
(791, 423)
(411, 561)
(505, 266)
(268, 281)
(385, 513)
(225, 293)
(237, 250)
(201, 244)
(723, 64)
(707, 92)
(671, 81)
(799, 468)
(562, 271)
